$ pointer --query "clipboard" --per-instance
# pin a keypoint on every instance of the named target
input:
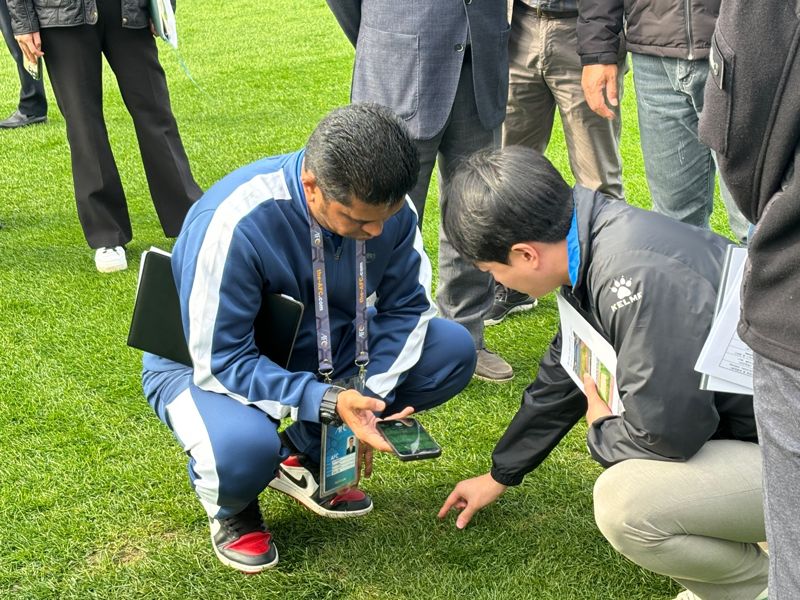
(157, 327)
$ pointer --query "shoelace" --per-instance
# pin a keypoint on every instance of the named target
(247, 521)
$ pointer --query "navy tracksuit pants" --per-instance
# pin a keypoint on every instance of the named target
(234, 449)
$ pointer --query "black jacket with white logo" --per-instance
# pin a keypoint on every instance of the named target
(657, 326)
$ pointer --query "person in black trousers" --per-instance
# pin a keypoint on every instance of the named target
(32, 106)
(72, 37)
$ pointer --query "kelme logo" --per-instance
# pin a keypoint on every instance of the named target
(622, 288)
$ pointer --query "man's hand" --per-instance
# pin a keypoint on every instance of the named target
(471, 495)
(365, 449)
(358, 412)
(31, 46)
(599, 84)
(596, 405)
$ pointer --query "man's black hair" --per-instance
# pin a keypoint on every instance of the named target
(362, 151)
(497, 198)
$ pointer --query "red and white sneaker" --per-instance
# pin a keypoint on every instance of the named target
(243, 542)
(297, 477)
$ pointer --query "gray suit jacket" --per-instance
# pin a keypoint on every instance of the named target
(409, 55)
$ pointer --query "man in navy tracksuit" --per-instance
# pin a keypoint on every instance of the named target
(250, 235)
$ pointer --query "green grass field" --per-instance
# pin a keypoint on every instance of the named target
(94, 497)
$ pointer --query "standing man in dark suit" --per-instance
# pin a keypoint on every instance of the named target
(32, 106)
(442, 66)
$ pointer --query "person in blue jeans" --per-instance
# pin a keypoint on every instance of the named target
(32, 107)
(669, 43)
(313, 225)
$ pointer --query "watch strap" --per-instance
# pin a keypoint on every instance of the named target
(327, 408)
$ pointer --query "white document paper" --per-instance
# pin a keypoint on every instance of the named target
(716, 384)
(584, 350)
(724, 355)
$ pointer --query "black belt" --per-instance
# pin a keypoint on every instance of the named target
(548, 14)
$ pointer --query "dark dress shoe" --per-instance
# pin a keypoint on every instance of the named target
(17, 119)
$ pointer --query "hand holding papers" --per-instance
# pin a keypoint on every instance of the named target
(585, 352)
(725, 360)
(163, 18)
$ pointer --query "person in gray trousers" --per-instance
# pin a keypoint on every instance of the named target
(442, 66)
(752, 120)
(544, 76)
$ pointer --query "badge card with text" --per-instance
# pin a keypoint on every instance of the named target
(338, 459)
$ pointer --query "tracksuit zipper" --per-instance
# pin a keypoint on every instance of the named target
(687, 8)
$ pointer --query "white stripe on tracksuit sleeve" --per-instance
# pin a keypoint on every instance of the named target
(224, 297)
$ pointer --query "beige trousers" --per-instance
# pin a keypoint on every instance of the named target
(545, 72)
(697, 521)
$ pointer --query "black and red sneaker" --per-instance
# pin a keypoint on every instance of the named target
(243, 542)
(298, 477)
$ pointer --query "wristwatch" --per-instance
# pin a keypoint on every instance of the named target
(327, 408)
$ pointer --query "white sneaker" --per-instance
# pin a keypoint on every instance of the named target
(108, 260)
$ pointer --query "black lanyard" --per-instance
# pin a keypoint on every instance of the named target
(323, 321)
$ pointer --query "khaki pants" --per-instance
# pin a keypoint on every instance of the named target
(697, 521)
(545, 72)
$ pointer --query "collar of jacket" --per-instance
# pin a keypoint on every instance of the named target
(587, 204)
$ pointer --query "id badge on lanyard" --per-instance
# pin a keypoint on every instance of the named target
(339, 447)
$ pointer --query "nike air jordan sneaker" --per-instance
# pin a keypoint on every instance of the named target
(243, 542)
(298, 477)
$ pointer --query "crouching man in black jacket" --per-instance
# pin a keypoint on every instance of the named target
(682, 496)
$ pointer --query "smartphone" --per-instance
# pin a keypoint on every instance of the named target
(408, 439)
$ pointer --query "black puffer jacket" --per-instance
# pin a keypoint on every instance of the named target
(28, 16)
(673, 28)
(670, 272)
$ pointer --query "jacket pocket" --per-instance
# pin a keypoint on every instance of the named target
(386, 70)
(714, 128)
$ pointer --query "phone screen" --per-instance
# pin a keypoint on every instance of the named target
(408, 439)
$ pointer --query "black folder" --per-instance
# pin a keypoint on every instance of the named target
(156, 325)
